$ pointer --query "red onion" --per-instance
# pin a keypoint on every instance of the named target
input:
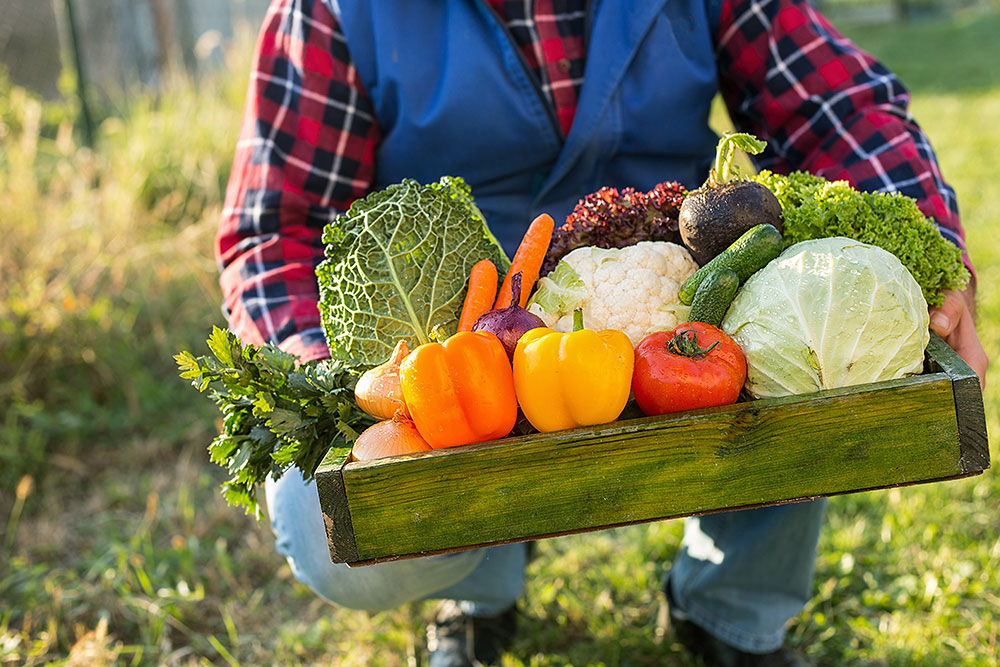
(510, 323)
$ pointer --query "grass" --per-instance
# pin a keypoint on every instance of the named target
(116, 548)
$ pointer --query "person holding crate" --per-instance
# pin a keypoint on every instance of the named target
(535, 104)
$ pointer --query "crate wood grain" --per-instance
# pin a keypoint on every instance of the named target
(924, 428)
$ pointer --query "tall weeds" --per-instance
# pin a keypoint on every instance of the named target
(106, 268)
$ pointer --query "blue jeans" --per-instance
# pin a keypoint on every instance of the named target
(484, 581)
(740, 575)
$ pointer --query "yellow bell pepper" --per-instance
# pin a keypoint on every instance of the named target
(565, 380)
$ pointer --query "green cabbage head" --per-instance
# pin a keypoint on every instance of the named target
(828, 313)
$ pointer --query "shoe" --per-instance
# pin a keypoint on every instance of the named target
(455, 639)
(716, 653)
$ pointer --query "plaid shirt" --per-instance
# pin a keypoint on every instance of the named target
(309, 135)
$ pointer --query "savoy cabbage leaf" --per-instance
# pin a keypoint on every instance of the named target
(397, 265)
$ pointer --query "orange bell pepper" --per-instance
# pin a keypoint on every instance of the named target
(460, 391)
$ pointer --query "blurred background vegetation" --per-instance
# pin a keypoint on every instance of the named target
(115, 546)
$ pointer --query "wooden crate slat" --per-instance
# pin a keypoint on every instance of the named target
(653, 468)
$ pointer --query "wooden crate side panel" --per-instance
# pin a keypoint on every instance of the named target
(973, 440)
(648, 469)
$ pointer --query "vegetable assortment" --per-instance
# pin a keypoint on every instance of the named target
(431, 349)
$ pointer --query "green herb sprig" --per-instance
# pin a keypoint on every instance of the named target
(275, 414)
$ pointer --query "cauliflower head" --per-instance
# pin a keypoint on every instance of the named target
(633, 289)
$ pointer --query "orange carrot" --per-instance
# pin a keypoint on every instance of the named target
(479, 298)
(528, 260)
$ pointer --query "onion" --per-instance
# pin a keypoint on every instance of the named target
(379, 392)
(394, 436)
(510, 323)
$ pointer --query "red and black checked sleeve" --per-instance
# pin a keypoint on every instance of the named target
(305, 152)
(825, 106)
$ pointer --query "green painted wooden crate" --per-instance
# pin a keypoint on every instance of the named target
(924, 428)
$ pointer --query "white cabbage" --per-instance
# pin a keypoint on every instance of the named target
(828, 313)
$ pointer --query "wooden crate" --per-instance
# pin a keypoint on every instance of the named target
(924, 428)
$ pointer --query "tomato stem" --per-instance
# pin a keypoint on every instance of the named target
(687, 346)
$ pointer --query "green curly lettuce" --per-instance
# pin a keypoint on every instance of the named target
(814, 208)
(396, 267)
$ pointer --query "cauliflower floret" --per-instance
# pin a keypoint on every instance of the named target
(633, 289)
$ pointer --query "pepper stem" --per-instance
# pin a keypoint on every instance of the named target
(578, 319)
(685, 345)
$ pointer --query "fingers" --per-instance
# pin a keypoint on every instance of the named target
(946, 317)
(953, 322)
(966, 343)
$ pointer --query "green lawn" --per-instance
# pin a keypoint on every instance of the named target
(117, 548)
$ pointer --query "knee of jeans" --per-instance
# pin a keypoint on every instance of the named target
(375, 588)
(349, 588)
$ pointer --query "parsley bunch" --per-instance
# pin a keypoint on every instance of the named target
(274, 413)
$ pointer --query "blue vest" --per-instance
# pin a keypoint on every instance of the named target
(453, 95)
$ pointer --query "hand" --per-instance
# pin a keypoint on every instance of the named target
(953, 321)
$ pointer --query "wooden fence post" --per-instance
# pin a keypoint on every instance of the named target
(71, 43)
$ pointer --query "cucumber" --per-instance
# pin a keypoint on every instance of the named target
(714, 295)
(747, 254)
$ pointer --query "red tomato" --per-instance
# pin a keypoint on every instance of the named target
(693, 366)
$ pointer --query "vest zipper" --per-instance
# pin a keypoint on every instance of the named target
(546, 103)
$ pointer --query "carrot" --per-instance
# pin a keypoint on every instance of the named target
(479, 298)
(528, 260)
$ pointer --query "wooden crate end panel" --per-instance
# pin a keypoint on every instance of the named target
(941, 356)
(336, 515)
(334, 459)
(973, 440)
(969, 410)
